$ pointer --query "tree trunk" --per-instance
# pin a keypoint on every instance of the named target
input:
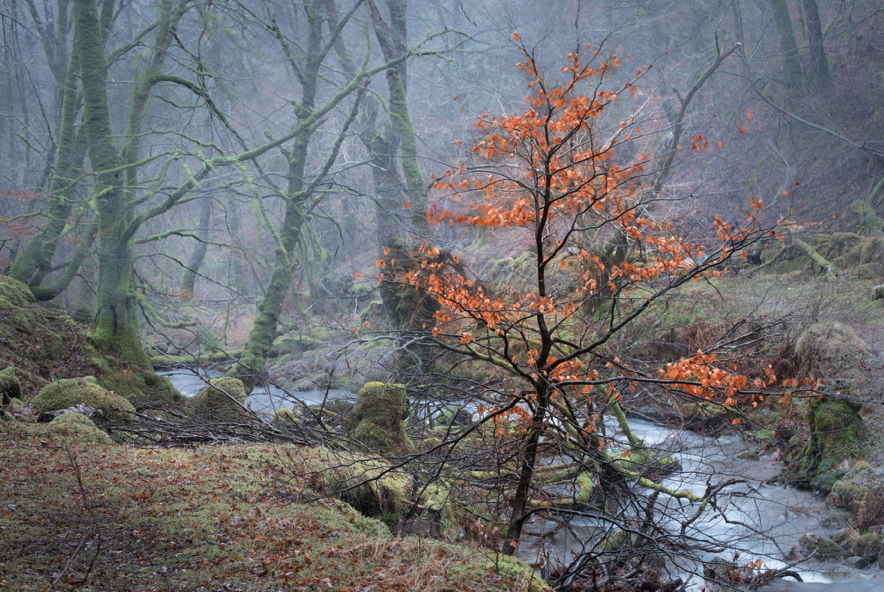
(36, 258)
(788, 45)
(817, 52)
(237, 277)
(188, 278)
(116, 331)
(526, 475)
(264, 332)
(392, 40)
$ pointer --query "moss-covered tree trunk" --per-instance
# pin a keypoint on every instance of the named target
(404, 306)
(115, 181)
(264, 332)
(788, 45)
(392, 40)
(35, 260)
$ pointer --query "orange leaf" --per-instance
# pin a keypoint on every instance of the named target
(736, 421)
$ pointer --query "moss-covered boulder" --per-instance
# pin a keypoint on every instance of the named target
(222, 400)
(10, 388)
(835, 425)
(69, 392)
(24, 319)
(871, 271)
(16, 406)
(821, 547)
(868, 545)
(378, 418)
(77, 427)
(286, 417)
(367, 484)
(853, 490)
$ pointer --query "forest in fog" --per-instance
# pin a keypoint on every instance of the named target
(562, 287)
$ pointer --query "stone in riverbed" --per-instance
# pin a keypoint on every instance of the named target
(824, 548)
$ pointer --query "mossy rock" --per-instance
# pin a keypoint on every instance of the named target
(286, 416)
(437, 497)
(378, 418)
(367, 484)
(69, 392)
(870, 271)
(15, 293)
(838, 244)
(10, 388)
(16, 406)
(78, 427)
(872, 251)
(823, 547)
(835, 426)
(852, 491)
(621, 539)
(214, 400)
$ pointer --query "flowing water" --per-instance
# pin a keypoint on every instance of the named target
(264, 399)
(761, 520)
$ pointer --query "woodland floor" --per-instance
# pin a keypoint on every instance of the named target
(89, 517)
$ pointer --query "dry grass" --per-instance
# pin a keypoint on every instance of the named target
(830, 349)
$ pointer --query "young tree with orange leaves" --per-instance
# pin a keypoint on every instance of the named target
(550, 175)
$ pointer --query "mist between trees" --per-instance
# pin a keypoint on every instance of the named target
(511, 227)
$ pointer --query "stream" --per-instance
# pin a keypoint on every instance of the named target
(761, 520)
(264, 399)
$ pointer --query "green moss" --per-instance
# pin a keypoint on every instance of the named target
(869, 545)
(823, 547)
(68, 392)
(835, 425)
(584, 487)
(619, 540)
(872, 250)
(377, 419)
(286, 416)
(16, 406)
(367, 484)
(214, 400)
(78, 427)
(10, 388)
(13, 293)
(871, 271)
(838, 244)
(73, 418)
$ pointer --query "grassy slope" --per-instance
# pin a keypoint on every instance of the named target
(211, 518)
